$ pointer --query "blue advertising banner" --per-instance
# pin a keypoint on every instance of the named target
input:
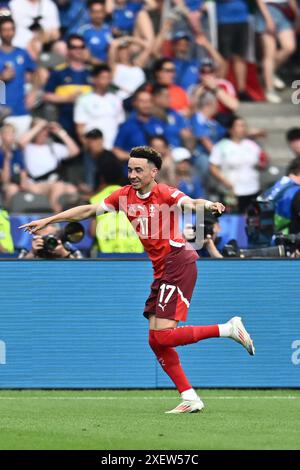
(79, 324)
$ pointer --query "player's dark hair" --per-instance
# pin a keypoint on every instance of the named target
(148, 153)
(293, 134)
(98, 69)
(294, 167)
(76, 37)
(90, 3)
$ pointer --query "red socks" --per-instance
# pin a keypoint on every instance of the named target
(185, 335)
(169, 360)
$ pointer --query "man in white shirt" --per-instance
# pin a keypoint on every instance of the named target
(25, 14)
(99, 109)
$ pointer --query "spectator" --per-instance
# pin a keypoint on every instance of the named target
(13, 176)
(35, 15)
(6, 241)
(164, 72)
(175, 126)
(235, 162)
(207, 132)
(72, 14)
(97, 34)
(127, 65)
(274, 22)
(96, 157)
(293, 140)
(100, 109)
(233, 34)
(224, 91)
(17, 71)
(68, 81)
(113, 231)
(186, 181)
(167, 172)
(42, 159)
(140, 126)
(131, 18)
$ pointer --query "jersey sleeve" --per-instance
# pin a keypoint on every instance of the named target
(113, 202)
(173, 196)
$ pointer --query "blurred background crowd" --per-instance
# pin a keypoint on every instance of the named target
(84, 81)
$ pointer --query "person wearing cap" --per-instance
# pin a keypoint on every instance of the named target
(186, 180)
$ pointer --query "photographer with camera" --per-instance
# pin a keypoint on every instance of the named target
(211, 240)
(52, 243)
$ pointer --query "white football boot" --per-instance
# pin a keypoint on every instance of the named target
(187, 406)
(241, 335)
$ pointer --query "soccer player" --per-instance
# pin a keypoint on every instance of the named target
(144, 201)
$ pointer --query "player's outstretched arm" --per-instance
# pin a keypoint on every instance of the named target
(214, 207)
(71, 215)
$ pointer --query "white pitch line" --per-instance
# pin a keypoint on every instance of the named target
(275, 397)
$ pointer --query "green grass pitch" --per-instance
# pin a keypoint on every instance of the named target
(232, 419)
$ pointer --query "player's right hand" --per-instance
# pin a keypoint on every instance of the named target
(34, 226)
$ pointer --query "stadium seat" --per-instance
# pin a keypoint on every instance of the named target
(25, 202)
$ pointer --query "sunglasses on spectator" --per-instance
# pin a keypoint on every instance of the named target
(207, 70)
(168, 69)
(76, 46)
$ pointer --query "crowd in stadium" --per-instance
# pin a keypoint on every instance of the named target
(85, 81)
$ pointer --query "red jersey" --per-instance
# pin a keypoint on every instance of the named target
(155, 218)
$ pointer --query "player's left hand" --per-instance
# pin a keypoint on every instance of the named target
(217, 208)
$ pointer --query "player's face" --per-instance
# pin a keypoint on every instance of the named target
(141, 173)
